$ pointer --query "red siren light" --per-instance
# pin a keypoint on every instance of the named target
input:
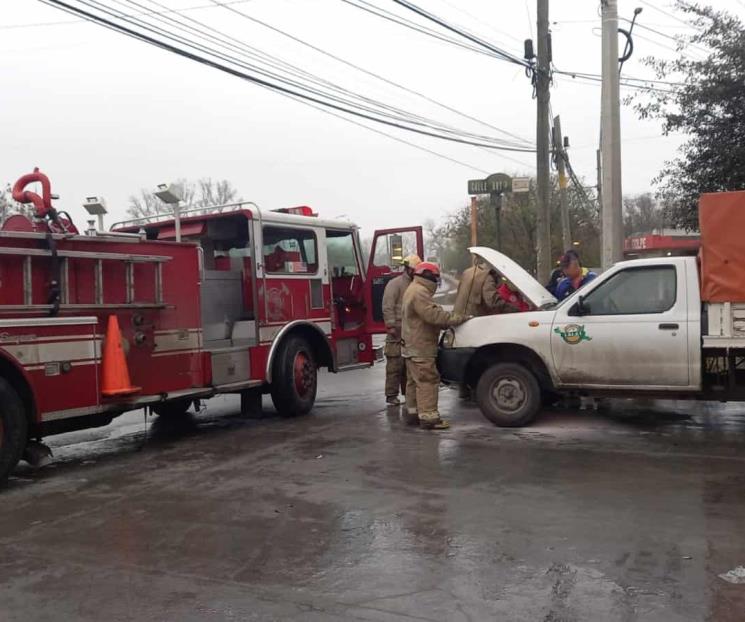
(300, 210)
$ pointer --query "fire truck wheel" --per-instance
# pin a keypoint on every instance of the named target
(294, 377)
(172, 409)
(13, 429)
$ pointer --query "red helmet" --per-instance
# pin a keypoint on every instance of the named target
(427, 266)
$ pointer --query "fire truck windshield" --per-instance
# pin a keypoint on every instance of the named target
(342, 258)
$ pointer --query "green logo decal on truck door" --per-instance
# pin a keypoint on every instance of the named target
(573, 334)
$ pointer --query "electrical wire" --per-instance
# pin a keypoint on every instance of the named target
(676, 38)
(402, 116)
(597, 80)
(279, 88)
(507, 56)
(664, 12)
(399, 114)
(478, 19)
(592, 204)
(83, 21)
(372, 74)
(396, 138)
(396, 19)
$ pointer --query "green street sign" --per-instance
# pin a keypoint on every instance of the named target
(494, 184)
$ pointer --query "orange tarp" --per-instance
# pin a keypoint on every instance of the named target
(722, 221)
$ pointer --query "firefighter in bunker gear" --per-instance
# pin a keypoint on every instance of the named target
(478, 293)
(395, 369)
(422, 321)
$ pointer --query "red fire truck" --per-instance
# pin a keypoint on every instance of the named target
(249, 301)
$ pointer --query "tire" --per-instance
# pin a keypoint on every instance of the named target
(509, 395)
(294, 378)
(13, 429)
(173, 409)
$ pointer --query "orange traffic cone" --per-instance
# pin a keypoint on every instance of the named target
(115, 375)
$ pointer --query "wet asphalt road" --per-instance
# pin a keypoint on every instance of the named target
(347, 514)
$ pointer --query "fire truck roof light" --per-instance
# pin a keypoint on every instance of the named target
(95, 206)
(169, 193)
(300, 210)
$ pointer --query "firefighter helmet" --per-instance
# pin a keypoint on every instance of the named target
(428, 270)
(411, 261)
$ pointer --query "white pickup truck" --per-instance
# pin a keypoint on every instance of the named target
(640, 328)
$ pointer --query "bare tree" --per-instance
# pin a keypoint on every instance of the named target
(202, 193)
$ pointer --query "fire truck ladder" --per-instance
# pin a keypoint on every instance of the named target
(98, 259)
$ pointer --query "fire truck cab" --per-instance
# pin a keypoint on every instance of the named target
(249, 301)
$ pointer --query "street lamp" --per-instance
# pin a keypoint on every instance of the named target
(171, 194)
(96, 206)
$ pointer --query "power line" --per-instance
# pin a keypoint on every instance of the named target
(396, 19)
(466, 35)
(279, 88)
(597, 80)
(366, 71)
(400, 140)
(479, 20)
(664, 12)
(283, 66)
(407, 117)
(626, 79)
(676, 38)
(396, 138)
(82, 21)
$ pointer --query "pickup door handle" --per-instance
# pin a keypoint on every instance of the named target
(669, 327)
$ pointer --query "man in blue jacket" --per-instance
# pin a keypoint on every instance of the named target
(575, 275)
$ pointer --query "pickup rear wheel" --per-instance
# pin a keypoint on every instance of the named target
(13, 429)
(509, 395)
(294, 377)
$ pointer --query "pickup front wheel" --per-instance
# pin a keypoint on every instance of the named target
(509, 395)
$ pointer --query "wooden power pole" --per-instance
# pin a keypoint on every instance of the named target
(474, 222)
(543, 149)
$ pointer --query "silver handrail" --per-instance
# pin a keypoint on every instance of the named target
(195, 211)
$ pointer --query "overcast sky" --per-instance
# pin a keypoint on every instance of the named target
(103, 114)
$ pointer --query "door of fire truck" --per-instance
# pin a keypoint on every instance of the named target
(389, 247)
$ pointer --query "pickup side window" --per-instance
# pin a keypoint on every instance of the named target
(634, 291)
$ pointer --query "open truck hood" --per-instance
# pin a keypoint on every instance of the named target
(533, 291)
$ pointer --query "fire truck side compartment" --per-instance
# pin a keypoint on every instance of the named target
(222, 306)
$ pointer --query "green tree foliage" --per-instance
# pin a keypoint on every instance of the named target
(706, 102)
(202, 193)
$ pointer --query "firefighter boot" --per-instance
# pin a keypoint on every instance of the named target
(432, 421)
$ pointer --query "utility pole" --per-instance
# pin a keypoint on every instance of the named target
(599, 166)
(611, 212)
(566, 231)
(474, 222)
(543, 155)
